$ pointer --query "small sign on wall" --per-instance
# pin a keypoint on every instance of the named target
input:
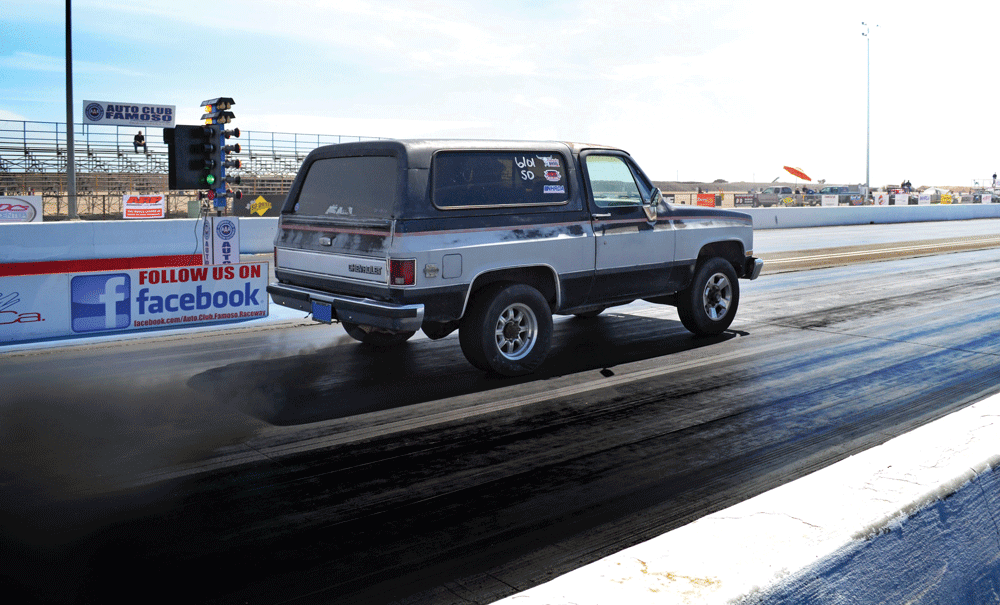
(221, 240)
(21, 209)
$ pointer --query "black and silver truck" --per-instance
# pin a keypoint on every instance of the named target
(493, 238)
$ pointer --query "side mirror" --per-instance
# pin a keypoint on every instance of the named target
(654, 202)
(656, 197)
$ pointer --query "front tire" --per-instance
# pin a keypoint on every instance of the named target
(708, 306)
(507, 330)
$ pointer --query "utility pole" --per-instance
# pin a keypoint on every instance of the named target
(868, 141)
(70, 144)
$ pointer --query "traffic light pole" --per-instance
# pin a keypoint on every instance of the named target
(197, 155)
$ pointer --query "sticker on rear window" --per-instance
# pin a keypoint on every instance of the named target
(555, 189)
(335, 209)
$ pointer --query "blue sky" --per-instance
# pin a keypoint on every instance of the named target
(694, 90)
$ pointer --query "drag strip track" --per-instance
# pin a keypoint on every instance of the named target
(293, 465)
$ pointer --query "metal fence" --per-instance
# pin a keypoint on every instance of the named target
(33, 160)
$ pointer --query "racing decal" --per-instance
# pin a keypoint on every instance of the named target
(553, 176)
(555, 189)
(549, 161)
(335, 209)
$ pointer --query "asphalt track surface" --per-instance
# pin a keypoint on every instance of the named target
(286, 463)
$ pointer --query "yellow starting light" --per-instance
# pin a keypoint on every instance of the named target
(218, 117)
(218, 104)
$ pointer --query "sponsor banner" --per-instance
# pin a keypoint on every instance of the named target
(92, 304)
(946, 198)
(144, 206)
(22, 209)
(260, 206)
(706, 199)
(881, 199)
(924, 199)
(117, 113)
(988, 198)
(743, 199)
(220, 240)
(33, 307)
(830, 200)
(901, 200)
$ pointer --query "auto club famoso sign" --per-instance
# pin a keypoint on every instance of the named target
(117, 113)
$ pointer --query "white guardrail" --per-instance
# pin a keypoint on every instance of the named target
(834, 216)
(69, 240)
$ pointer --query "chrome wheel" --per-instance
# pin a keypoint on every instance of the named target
(709, 304)
(718, 296)
(516, 331)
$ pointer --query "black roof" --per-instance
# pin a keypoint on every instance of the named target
(418, 152)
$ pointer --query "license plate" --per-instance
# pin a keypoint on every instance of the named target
(322, 312)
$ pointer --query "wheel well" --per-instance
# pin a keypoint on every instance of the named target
(540, 278)
(731, 251)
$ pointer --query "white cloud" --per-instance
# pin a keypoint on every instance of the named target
(370, 127)
(35, 62)
(10, 115)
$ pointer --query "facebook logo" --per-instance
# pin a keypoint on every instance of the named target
(101, 302)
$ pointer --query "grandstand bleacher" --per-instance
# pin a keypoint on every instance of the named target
(33, 159)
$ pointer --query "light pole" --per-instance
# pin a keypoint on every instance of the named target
(70, 152)
(868, 140)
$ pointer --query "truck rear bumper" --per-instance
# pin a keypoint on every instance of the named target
(752, 267)
(361, 311)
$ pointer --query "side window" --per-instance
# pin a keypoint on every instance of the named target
(611, 182)
(477, 179)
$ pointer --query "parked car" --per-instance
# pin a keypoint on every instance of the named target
(847, 195)
(779, 195)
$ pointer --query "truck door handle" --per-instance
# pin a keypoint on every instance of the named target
(607, 215)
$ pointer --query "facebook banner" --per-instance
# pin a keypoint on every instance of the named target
(66, 304)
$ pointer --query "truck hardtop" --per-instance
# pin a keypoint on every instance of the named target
(776, 195)
(493, 238)
(846, 195)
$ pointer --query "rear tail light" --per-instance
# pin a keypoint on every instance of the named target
(402, 272)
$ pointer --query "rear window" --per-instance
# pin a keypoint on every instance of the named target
(352, 186)
(507, 178)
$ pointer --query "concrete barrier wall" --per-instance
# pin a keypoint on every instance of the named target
(71, 240)
(791, 218)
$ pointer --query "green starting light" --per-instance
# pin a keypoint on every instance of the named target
(210, 179)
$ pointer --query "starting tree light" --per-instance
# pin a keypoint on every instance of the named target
(217, 113)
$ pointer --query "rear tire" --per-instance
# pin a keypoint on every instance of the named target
(507, 330)
(708, 306)
(376, 339)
